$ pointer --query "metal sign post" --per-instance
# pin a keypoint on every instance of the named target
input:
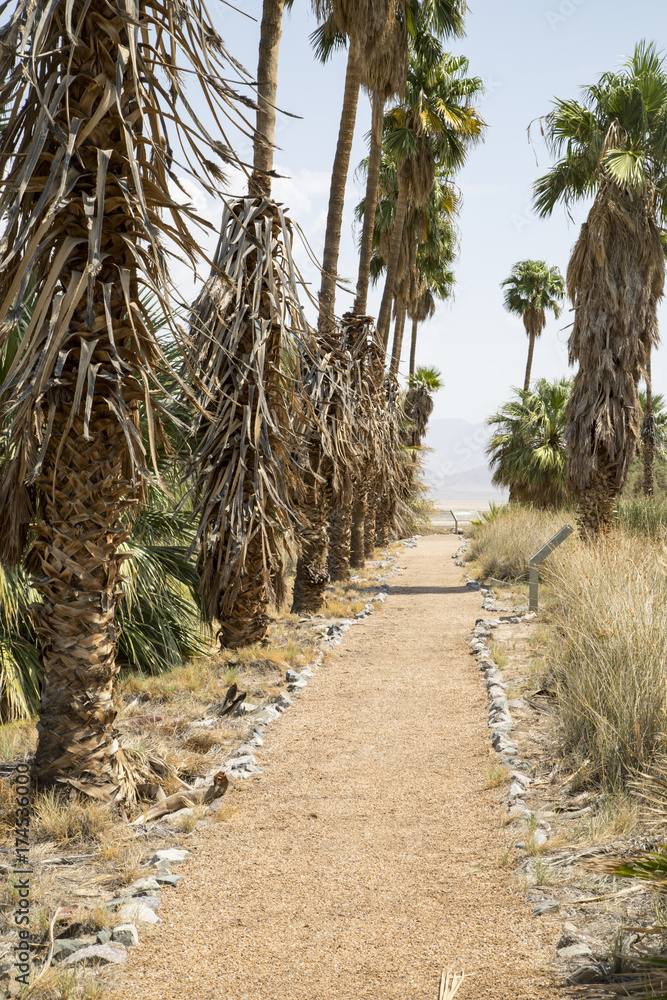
(540, 556)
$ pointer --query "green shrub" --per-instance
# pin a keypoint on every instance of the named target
(643, 516)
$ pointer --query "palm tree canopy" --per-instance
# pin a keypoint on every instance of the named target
(527, 449)
(435, 122)
(531, 289)
(618, 131)
(659, 414)
(430, 378)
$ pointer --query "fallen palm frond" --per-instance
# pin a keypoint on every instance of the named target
(248, 331)
(450, 984)
(186, 799)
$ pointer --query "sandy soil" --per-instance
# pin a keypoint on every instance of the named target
(365, 857)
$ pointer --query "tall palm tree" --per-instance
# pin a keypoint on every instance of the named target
(531, 289)
(368, 25)
(86, 202)
(527, 449)
(428, 248)
(419, 401)
(267, 88)
(427, 22)
(433, 126)
(613, 144)
(248, 330)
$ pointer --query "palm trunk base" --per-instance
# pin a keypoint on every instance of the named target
(369, 525)
(340, 529)
(597, 505)
(245, 630)
(311, 579)
(357, 542)
(649, 454)
(76, 570)
(382, 524)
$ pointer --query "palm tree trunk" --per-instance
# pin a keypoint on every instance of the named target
(357, 545)
(648, 433)
(247, 622)
(267, 87)
(384, 317)
(382, 522)
(312, 574)
(369, 523)
(77, 572)
(340, 528)
(401, 310)
(529, 362)
(326, 321)
(597, 504)
(413, 345)
(370, 204)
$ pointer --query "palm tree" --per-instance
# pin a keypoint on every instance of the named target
(611, 144)
(427, 23)
(369, 26)
(419, 401)
(531, 289)
(653, 431)
(434, 258)
(249, 331)
(433, 126)
(267, 88)
(527, 450)
(86, 204)
(428, 248)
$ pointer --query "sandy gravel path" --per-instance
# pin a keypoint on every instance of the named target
(364, 858)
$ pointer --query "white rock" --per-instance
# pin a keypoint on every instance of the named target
(540, 838)
(126, 934)
(522, 779)
(137, 913)
(142, 885)
(104, 953)
(175, 817)
(516, 790)
(268, 715)
(572, 951)
(172, 856)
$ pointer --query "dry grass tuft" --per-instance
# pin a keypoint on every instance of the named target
(608, 653)
(501, 546)
(64, 821)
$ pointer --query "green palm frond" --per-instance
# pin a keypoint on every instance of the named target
(618, 131)
(527, 448)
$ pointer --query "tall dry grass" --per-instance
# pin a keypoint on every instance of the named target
(506, 539)
(608, 655)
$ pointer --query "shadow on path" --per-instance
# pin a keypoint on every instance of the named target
(430, 590)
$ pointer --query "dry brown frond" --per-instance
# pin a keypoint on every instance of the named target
(247, 326)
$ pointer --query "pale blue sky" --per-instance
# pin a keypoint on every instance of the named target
(527, 52)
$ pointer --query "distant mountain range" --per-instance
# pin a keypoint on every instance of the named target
(456, 467)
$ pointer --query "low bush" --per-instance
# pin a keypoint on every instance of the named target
(504, 541)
